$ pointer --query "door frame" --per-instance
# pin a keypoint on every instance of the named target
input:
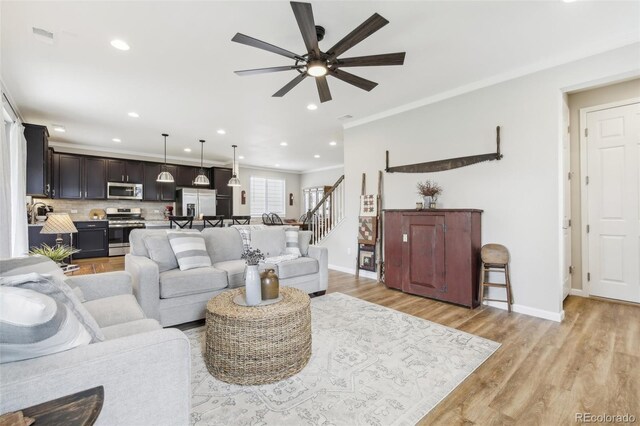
(584, 200)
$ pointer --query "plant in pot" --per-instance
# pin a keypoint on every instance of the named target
(57, 253)
(253, 293)
(429, 190)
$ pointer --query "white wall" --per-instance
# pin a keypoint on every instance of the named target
(520, 195)
(292, 185)
(321, 177)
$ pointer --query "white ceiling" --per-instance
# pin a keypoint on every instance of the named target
(179, 76)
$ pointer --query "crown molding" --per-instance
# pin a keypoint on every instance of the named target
(322, 169)
(592, 50)
(269, 169)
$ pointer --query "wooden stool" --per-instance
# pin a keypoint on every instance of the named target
(495, 258)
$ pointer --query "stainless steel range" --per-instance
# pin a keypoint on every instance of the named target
(121, 223)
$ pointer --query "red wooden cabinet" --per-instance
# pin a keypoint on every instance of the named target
(433, 253)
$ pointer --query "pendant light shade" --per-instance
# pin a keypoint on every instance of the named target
(202, 178)
(234, 181)
(164, 175)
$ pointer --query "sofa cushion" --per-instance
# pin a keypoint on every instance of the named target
(190, 249)
(270, 241)
(160, 251)
(292, 241)
(33, 324)
(176, 283)
(235, 271)
(304, 239)
(114, 310)
(53, 285)
(136, 240)
(223, 244)
(297, 267)
(131, 328)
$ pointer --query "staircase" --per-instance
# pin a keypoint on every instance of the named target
(328, 213)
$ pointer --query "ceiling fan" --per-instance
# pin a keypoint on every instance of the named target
(318, 64)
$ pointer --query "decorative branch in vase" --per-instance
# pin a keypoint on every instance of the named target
(429, 190)
(253, 292)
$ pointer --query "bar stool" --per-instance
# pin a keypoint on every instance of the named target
(495, 258)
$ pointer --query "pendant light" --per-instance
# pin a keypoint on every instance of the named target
(234, 181)
(201, 179)
(164, 175)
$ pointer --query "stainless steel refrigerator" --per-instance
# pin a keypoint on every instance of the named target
(195, 202)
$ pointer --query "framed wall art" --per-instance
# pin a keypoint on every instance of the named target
(367, 257)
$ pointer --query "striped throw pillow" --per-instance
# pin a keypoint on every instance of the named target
(189, 248)
(291, 239)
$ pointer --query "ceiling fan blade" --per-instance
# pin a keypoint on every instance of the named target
(360, 82)
(304, 15)
(290, 85)
(254, 42)
(371, 61)
(364, 30)
(266, 70)
(323, 89)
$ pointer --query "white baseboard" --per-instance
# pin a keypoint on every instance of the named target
(578, 292)
(527, 310)
(352, 271)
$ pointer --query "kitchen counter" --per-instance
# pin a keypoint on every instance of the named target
(74, 221)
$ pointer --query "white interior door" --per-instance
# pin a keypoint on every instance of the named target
(613, 192)
(566, 219)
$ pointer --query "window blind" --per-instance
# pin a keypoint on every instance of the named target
(267, 196)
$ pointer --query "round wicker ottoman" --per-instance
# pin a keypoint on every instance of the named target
(258, 345)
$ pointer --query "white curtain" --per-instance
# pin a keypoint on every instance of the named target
(19, 230)
(13, 209)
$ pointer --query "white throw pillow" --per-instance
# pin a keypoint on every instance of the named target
(190, 249)
(291, 240)
(33, 324)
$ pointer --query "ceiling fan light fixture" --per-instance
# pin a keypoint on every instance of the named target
(316, 69)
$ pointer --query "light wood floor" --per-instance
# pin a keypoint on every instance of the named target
(544, 372)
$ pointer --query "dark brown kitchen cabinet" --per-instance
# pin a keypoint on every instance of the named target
(125, 171)
(221, 178)
(95, 178)
(38, 160)
(224, 206)
(185, 175)
(158, 191)
(92, 239)
(67, 176)
(434, 253)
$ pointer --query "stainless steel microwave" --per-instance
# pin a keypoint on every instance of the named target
(124, 191)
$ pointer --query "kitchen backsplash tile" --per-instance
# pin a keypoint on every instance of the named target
(83, 207)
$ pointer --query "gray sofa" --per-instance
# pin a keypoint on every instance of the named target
(174, 297)
(144, 369)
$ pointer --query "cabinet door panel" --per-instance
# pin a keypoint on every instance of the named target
(69, 176)
(224, 206)
(220, 180)
(393, 270)
(425, 252)
(134, 172)
(37, 159)
(185, 175)
(150, 188)
(117, 172)
(92, 243)
(95, 182)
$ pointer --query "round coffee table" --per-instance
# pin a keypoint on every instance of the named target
(258, 345)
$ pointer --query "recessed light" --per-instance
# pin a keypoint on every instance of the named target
(568, 1)
(283, 144)
(316, 156)
(221, 131)
(117, 140)
(277, 165)
(133, 114)
(333, 143)
(59, 128)
(120, 44)
(187, 150)
(241, 157)
(312, 107)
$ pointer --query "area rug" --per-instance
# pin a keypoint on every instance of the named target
(370, 366)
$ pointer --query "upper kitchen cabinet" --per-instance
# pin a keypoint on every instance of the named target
(125, 171)
(95, 178)
(221, 178)
(38, 173)
(67, 176)
(185, 176)
(158, 191)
